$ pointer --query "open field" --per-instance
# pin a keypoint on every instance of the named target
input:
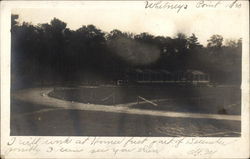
(35, 120)
(33, 112)
(215, 100)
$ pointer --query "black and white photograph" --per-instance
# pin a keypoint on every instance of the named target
(125, 79)
(115, 73)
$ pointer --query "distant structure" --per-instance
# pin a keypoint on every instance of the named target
(147, 76)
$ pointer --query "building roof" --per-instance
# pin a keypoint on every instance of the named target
(195, 72)
(162, 71)
(152, 71)
(165, 71)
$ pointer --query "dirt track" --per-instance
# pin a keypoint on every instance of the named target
(39, 96)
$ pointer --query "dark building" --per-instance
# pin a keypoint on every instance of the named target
(145, 76)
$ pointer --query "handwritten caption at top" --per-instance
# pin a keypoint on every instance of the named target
(182, 5)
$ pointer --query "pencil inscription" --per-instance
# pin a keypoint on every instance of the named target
(114, 146)
(166, 5)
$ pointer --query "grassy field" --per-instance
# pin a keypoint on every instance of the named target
(215, 100)
(37, 120)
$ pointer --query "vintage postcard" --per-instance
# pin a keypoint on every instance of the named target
(125, 79)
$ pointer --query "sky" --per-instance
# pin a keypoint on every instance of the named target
(133, 17)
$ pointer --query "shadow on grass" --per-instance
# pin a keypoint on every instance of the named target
(93, 123)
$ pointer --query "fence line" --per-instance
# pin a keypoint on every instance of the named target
(139, 97)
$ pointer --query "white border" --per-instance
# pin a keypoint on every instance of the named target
(239, 148)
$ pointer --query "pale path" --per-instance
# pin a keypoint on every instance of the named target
(39, 96)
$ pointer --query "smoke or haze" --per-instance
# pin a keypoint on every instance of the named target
(134, 52)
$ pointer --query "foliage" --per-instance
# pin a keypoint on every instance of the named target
(52, 52)
(215, 41)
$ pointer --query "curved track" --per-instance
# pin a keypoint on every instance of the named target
(40, 96)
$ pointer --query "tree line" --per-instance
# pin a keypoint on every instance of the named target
(53, 52)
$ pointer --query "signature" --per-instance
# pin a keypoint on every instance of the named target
(202, 152)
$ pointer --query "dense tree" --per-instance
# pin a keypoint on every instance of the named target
(145, 37)
(193, 42)
(181, 43)
(14, 18)
(51, 52)
(215, 41)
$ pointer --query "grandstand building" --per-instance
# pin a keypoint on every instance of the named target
(194, 77)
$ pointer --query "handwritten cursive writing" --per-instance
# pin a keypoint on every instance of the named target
(207, 4)
(202, 152)
(124, 145)
(165, 5)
